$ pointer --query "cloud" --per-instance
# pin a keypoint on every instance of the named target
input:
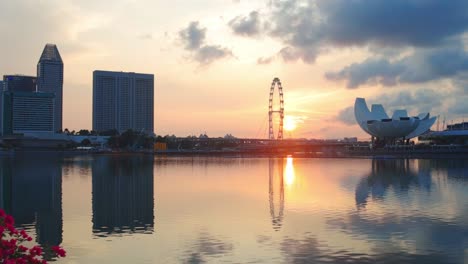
(418, 100)
(371, 71)
(147, 36)
(264, 61)
(246, 25)
(346, 116)
(396, 22)
(210, 53)
(307, 28)
(193, 38)
(459, 106)
(29, 25)
(422, 66)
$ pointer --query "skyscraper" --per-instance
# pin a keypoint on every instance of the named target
(122, 101)
(50, 79)
(1, 107)
(19, 83)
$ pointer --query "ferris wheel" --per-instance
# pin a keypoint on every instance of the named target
(276, 83)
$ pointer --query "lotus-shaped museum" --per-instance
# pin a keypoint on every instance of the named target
(378, 124)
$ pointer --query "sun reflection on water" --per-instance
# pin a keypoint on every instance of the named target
(289, 171)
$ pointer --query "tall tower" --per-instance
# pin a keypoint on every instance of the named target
(50, 79)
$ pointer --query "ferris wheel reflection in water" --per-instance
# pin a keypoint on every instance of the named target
(279, 176)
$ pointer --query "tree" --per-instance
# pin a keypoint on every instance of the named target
(229, 136)
(84, 132)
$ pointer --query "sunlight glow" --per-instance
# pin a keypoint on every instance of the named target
(289, 171)
(289, 123)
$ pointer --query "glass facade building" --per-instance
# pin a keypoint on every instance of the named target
(19, 83)
(122, 101)
(27, 112)
(1, 107)
(50, 79)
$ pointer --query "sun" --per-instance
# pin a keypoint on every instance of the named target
(289, 123)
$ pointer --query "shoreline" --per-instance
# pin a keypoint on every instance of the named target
(368, 154)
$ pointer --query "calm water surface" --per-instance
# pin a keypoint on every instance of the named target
(140, 209)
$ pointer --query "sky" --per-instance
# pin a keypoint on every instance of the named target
(214, 60)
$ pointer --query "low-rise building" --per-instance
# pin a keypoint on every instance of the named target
(26, 112)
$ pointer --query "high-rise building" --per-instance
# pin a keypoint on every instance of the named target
(25, 112)
(1, 107)
(50, 79)
(15, 83)
(19, 83)
(122, 101)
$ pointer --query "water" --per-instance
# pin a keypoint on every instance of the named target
(140, 209)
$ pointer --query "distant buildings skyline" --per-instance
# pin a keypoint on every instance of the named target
(30, 104)
(122, 101)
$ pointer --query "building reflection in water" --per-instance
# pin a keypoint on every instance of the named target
(400, 174)
(31, 191)
(453, 168)
(276, 192)
(123, 200)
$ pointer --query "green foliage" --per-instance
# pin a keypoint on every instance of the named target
(131, 139)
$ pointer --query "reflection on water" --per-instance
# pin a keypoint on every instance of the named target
(310, 250)
(123, 200)
(396, 174)
(289, 175)
(32, 192)
(421, 215)
(214, 209)
(207, 247)
(276, 192)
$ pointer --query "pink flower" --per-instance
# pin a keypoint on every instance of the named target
(59, 251)
(24, 234)
(22, 248)
(9, 220)
(35, 251)
(11, 249)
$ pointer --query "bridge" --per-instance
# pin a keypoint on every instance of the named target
(253, 145)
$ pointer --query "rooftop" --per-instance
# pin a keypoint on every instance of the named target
(50, 53)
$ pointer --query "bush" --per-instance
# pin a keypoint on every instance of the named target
(12, 248)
